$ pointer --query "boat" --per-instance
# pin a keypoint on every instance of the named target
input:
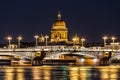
(72, 60)
(5, 59)
(21, 62)
(59, 62)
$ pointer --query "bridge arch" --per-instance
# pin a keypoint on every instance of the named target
(37, 60)
(76, 55)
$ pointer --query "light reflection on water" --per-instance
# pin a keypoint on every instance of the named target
(60, 73)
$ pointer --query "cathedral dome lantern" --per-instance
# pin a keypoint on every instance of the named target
(59, 23)
(59, 30)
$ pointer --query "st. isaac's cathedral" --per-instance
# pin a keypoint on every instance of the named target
(59, 31)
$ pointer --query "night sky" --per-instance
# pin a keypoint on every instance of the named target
(91, 19)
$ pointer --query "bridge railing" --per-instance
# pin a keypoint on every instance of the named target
(56, 49)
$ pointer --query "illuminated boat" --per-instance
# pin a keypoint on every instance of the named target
(5, 59)
(72, 59)
(21, 62)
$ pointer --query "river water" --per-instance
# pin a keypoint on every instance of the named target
(59, 73)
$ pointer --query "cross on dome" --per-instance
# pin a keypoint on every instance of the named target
(59, 16)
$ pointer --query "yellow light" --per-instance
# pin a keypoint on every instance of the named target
(74, 39)
(36, 36)
(38, 54)
(20, 74)
(104, 73)
(19, 37)
(9, 38)
(105, 37)
(46, 36)
(74, 73)
(82, 39)
(9, 73)
(113, 38)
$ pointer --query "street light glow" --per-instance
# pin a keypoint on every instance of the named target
(105, 38)
(113, 38)
(113, 41)
(74, 40)
(36, 36)
(19, 39)
(82, 39)
(9, 38)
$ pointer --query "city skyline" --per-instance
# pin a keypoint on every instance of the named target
(89, 19)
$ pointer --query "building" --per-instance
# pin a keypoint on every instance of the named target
(59, 32)
(76, 39)
(41, 38)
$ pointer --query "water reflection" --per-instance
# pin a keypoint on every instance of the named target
(74, 73)
(7, 73)
(60, 73)
(47, 73)
(20, 74)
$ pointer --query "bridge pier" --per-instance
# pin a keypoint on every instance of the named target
(37, 61)
(105, 61)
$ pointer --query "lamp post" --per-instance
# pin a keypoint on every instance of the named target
(46, 37)
(74, 39)
(105, 38)
(74, 42)
(82, 39)
(19, 39)
(9, 38)
(36, 38)
(113, 41)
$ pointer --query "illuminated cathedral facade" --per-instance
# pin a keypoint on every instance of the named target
(59, 31)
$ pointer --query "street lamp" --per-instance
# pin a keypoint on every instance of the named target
(9, 38)
(74, 40)
(46, 37)
(36, 38)
(113, 41)
(82, 39)
(105, 38)
(19, 39)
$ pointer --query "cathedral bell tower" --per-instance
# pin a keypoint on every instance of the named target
(59, 32)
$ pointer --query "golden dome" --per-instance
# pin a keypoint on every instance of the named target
(59, 24)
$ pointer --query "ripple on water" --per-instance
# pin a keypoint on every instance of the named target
(59, 72)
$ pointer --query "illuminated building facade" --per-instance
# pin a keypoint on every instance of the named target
(59, 32)
(76, 39)
(41, 38)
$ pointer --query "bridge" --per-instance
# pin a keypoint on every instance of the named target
(54, 52)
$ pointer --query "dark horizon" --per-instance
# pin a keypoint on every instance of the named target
(90, 19)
